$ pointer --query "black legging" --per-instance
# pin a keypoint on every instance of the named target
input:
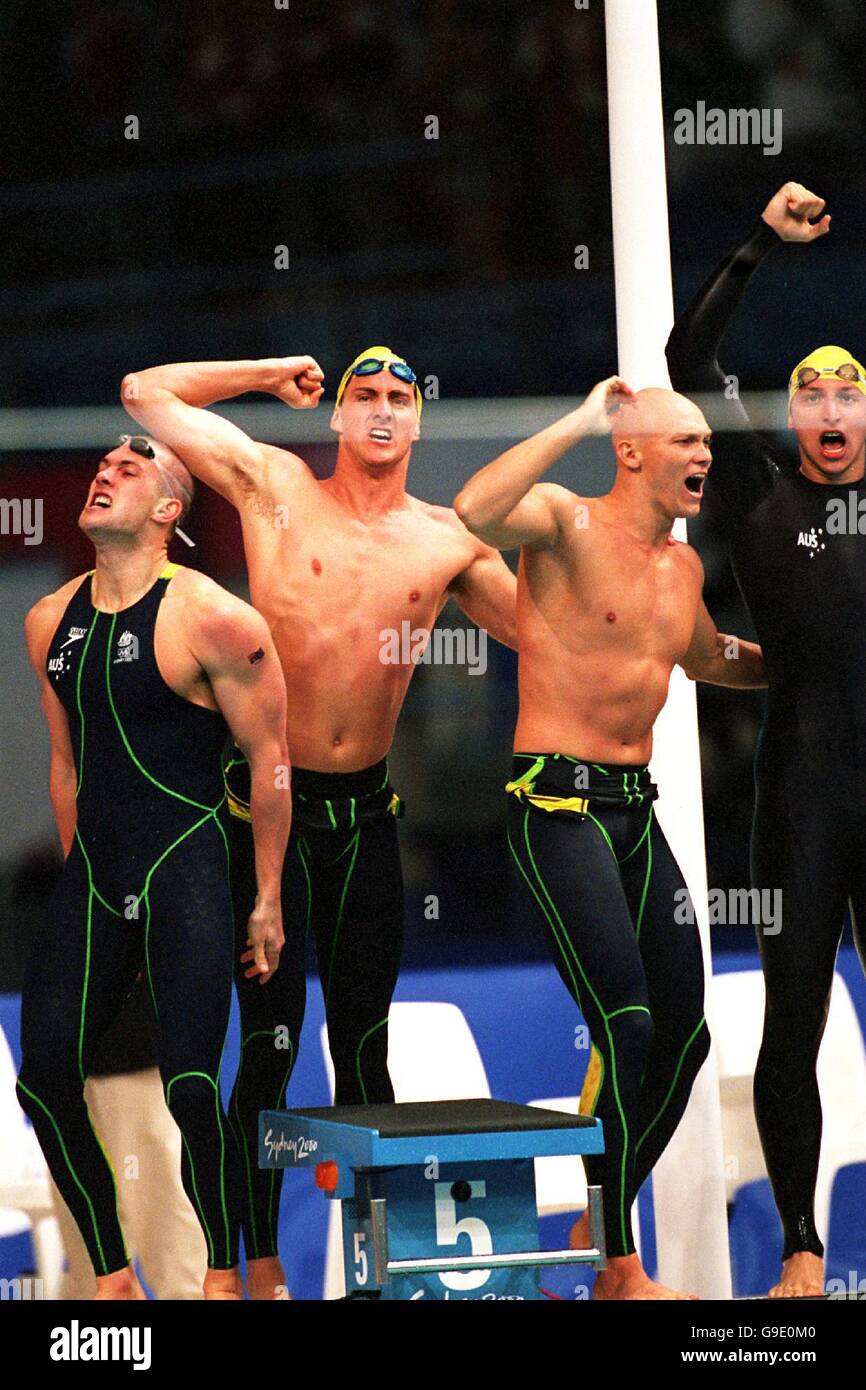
(809, 833)
(146, 885)
(342, 878)
(81, 969)
(604, 886)
(811, 850)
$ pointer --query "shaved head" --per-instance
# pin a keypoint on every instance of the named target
(657, 412)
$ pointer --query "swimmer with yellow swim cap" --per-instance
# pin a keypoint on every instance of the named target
(341, 567)
(377, 414)
(827, 411)
(797, 529)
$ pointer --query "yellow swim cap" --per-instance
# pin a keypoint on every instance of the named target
(375, 359)
(828, 361)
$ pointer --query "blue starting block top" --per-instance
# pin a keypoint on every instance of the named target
(385, 1136)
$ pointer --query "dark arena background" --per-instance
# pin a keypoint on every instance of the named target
(240, 179)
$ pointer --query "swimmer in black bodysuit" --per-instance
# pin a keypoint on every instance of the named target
(144, 668)
(804, 583)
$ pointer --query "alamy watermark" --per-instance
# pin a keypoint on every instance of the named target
(735, 907)
(442, 647)
(736, 126)
(22, 516)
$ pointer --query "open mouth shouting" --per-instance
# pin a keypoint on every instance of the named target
(833, 445)
(380, 436)
(100, 501)
(694, 483)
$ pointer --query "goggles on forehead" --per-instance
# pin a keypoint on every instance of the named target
(847, 371)
(369, 366)
(173, 486)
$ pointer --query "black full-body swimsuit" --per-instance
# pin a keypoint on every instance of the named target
(145, 887)
(805, 588)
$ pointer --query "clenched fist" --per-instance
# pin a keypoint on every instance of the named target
(789, 212)
(299, 382)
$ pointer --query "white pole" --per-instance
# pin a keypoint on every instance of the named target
(688, 1182)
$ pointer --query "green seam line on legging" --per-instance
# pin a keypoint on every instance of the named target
(273, 1180)
(90, 633)
(106, 905)
(355, 841)
(205, 1077)
(376, 1026)
(240, 1130)
(631, 1009)
(212, 1260)
(331, 815)
(531, 772)
(614, 1079)
(607, 838)
(672, 1088)
(179, 796)
(636, 846)
(75, 1176)
(646, 879)
(264, 1033)
(144, 894)
(352, 812)
(532, 890)
(302, 848)
(201, 1215)
(86, 981)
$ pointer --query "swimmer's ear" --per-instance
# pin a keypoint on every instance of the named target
(627, 453)
(167, 509)
(337, 420)
(417, 431)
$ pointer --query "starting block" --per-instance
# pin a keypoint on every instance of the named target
(438, 1196)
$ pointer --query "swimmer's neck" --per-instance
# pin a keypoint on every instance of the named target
(852, 474)
(124, 572)
(368, 490)
(634, 509)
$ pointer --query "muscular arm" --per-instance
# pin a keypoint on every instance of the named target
(505, 505)
(721, 660)
(487, 591)
(744, 462)
(169, 402)
(233, 644)
(39, 627)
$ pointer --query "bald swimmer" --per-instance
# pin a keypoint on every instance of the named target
(607, 604)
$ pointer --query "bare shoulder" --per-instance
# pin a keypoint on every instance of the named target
(686, 556)
(42, 619)
(280, 466)
(210, 614)
(561, 499)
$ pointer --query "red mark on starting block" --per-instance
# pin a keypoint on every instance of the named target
(327, 1176)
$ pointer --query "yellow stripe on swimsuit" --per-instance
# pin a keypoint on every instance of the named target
(523, 791)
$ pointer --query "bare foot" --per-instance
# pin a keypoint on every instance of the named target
(223, 1284)
(123, 1286)
(626, 1278)
(266, 1280)
(802, 1277)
